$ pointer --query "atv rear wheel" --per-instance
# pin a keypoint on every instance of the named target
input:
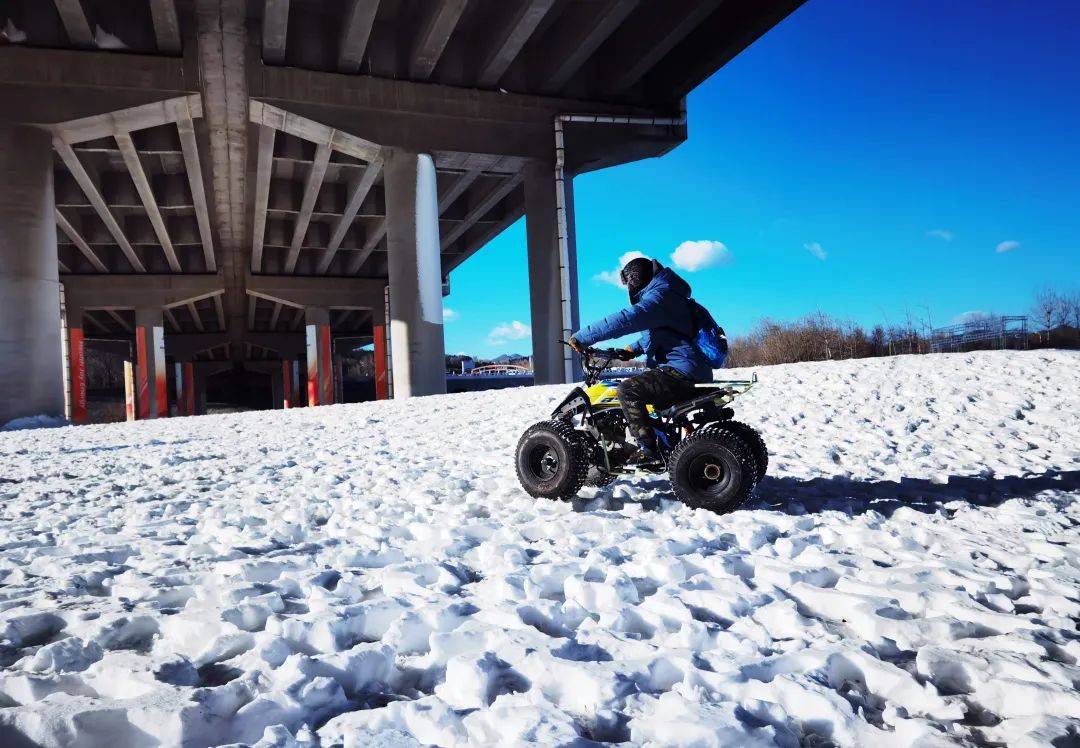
(753, 441)
(550, 461)
(713, 469)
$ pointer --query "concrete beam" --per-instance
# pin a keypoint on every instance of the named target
(123, 323)
(579, 45)
(129, 119)
(193, 168)
(311, 191)
(195, 316)
(303, 291)
(219, 310)
(359, 19)
(73, 17)
(738, 24)
(421, 117)
(372, 241)
(171, 319)
(76, 237)
(287, 345)
(435, 32)
(264, 167)
(459, 186)
(275, 30)
(312, 131)
(479, 210)
(138, 291)
(46, 86)
(511, 38)
(451, 261)
(146, 194)
(90, 189)
(166, 26)
(650, 42)
(357, 193)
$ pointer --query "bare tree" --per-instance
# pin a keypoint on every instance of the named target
(1071, 307)
(1046, 310)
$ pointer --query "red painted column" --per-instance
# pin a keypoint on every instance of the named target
(142, 377)
(77, 352)
(320, 377)
(286, 384)
(129, 390)
(151, 389)
(188, 406)
(77, 356)
(381, 392)
(326, 367)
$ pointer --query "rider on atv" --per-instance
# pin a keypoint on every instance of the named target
(668, 319)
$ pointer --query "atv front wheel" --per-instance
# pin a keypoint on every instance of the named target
(550, 461)
(713, 469)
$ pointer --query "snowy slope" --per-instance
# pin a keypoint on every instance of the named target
(373, 575)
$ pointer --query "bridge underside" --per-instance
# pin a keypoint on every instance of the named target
(261, 184)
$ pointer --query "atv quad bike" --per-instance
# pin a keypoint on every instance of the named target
(714, 462)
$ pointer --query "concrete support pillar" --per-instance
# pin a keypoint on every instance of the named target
(380, 354)
(288, 386)
(382, 391)
(152, 392)
(320, 377)
(77, 364)
(31, 358)
(129, 390)
(185, 388)
(415, 269)
(339, 379)
(277, 389)
(545, 277)
(199, 392)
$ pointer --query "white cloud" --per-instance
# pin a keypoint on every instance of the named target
(943, 234)
(971, 316)
(1008, 246)
(449, 315)
(816, 250)
(698, 255)
(612, 276)
(507, 331)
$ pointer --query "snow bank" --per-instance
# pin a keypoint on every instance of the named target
(373, 575)
(33, 422)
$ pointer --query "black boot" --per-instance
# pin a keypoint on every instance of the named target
(646, 457)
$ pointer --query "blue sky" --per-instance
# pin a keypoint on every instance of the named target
(864, 159)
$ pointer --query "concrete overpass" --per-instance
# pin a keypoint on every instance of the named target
(240, 182)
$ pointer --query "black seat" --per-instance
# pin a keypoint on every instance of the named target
(686, 406)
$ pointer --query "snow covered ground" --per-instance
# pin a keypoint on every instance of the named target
(372, 575)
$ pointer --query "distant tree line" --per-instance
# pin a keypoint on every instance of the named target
(1055, 319)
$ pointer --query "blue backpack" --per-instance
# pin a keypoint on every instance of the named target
(709, 338)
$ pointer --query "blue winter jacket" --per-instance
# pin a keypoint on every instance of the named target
(661, 314)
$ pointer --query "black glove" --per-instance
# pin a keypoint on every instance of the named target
(626, 354)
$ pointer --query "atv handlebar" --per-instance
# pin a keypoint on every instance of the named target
(595, 360)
